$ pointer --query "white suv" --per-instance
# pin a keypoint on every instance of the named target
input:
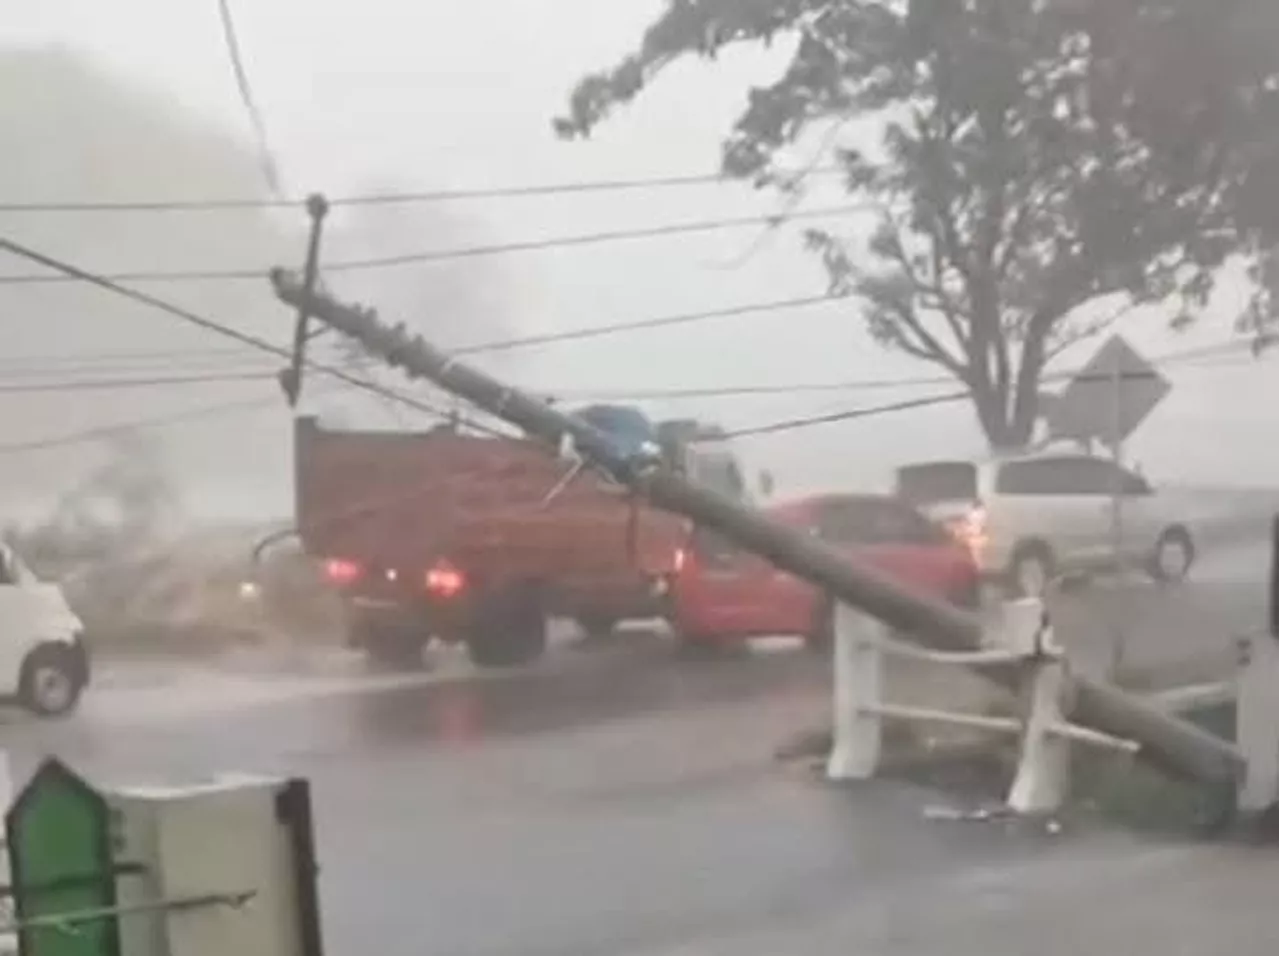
(1028, 519)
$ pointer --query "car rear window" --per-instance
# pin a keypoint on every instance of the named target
(711, 546)
(874, 521)
(938, 481)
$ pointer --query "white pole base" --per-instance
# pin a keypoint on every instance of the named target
(1256, 717)
(859, 674)
(1041, 782)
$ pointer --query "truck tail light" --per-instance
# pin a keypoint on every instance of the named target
(970, 530)
(444, 580)
(679, 560)
(340, 571)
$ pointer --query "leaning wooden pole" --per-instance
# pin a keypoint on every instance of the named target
(1172, 743)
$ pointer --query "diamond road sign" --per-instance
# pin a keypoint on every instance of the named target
(1108, 398)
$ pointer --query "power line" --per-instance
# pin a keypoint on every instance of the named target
(227, 331)
(244, 338)
(637, 325)
(106, 384)
(791, 424)
(444, 255)
(62, 361)
(747, 391)
(1197, 356)
(270, 171)
(393, 198)
(96, 362)
(107, 431)
(210, 410)
(1221, 350)
(945, 398)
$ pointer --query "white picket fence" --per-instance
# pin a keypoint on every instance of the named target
(1022, 638)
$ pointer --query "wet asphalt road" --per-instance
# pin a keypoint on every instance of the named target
(621, 801)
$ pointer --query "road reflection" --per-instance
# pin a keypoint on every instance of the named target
(634, 677)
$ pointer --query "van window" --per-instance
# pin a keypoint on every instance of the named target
(1077, 475)
(938, 481)
(1132, 483)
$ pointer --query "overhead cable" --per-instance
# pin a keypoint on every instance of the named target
(227, 331)
(446, 255)
(384, 199)
(1197, 357)
(270, 169)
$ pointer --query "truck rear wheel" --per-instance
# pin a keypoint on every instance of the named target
(509, 628)
(699, 647)
(597, 628)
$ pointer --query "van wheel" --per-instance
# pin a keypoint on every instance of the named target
(50, 683)
(509, 628)
(1030, 571)
(1173, 556)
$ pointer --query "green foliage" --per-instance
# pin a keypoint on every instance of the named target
(1036, 155)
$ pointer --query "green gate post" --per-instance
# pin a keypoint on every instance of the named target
(60, 848)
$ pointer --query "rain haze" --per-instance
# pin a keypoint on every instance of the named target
(716, 675)
(136, 101)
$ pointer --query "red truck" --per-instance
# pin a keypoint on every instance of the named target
(458, 537)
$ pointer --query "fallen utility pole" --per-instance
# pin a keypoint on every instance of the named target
(1172, 743)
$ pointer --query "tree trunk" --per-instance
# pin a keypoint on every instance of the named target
(1026, 387)
(1008, 415)
(1005, 429)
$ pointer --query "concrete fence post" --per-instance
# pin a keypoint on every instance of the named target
(1041, 782)
(1256, 721)
(856, 699)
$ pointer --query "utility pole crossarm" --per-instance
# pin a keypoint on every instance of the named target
(1170, 742)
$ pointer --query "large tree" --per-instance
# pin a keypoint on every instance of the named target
(1034, 158)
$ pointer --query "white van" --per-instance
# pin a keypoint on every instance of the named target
(44, 664)
(1029, 518)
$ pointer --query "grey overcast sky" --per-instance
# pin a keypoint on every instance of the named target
(384, 94)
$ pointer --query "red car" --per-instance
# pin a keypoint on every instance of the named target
(720, 594)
